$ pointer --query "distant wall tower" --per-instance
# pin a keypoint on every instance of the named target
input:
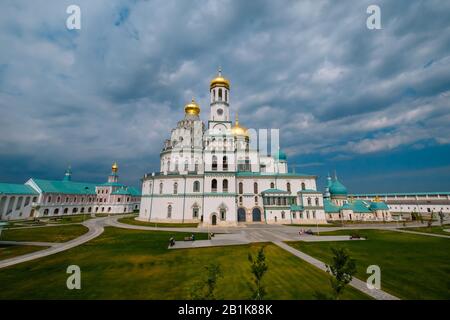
(114, 177)
(68, 174)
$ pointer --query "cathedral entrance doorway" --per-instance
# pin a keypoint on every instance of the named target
(214, 220)
(241, 214)
(256, 214)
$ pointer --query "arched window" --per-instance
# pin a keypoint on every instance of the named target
(317, 201)
(214, 185)
(303, 186)
(309, 201)
(256, 200)
(226, 95)
(82, 210)
(241, 188)
(255, 188)
(214, 163)
(56, 211)
(49, 199)
(288, 187)
(175, 188)
(90, 209)
(220, 94)
(66, 210)
(109, 209)
(225, 163)
(222, 214)
(225, 185)
(169, 211)
(161, 188)
(196, 186)
(74, 210)
(282, 215)
(45, 212)
(240, 200)
(186, 166)
(272, 185)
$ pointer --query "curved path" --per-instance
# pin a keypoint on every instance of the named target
(95, 226)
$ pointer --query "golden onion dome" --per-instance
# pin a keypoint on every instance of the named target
(219, 81)
(192, 108)
(238, 130)
(115, 167)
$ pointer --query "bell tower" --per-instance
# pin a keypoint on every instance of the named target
(219, 89)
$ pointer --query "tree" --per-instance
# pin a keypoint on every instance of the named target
(342, 270)
(204, 289)
(258, 269)
(441, 217)
(430, 222)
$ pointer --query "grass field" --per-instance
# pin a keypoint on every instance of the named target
(433, 229)
(133, 221)
(133, 264)
(10, 251)
(412, 266)
(45, 234)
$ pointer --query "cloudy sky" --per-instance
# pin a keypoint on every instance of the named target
(374, 105)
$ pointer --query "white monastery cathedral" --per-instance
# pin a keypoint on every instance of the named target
(216, 175)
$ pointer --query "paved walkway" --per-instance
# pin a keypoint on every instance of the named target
(96, 227)
(423, 233)
(355, 283)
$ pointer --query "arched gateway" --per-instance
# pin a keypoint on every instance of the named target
(256, 214)
(241, 214)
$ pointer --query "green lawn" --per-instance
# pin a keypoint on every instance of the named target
(412, 266)
(134, 264)
(44, 234)
(70, 219)
(133, 221)
(433, 229)
(10, 251)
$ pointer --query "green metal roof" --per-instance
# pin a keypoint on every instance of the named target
(112, 184)
(337, 188)
(378, 206)
(66, 187)
(309, 191)
(128, 191)
(295, 207)
(330, 207)
(270, 174)
(400, 194)
(358, 206)
(13, 188)
(274, 191)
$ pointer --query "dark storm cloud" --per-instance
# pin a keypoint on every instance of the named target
(114, 89)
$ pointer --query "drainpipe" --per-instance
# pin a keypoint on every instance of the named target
(151, 200)
(184, 198)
